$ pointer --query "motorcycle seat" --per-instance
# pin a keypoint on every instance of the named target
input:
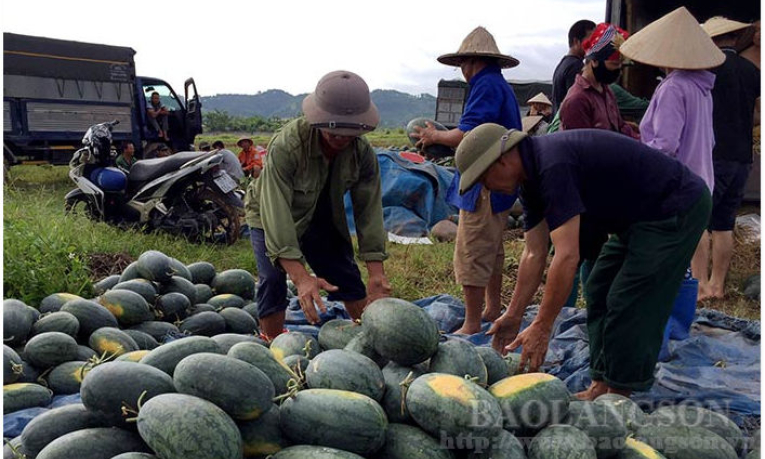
(148, 169)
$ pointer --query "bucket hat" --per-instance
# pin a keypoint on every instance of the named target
(478, 43)
(719, 25)
(480, 148)
(341, 104)
(540, 98)
(242, 139)
(675, 41)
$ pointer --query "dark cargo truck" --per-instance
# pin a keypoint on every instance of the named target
(53, 90)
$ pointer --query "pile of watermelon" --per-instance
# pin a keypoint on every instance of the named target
(168, 363)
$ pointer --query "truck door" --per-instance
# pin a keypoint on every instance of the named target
(193, 110)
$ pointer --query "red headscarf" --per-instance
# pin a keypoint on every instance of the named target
(604, 42)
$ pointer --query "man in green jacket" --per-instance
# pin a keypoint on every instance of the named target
(296, 213)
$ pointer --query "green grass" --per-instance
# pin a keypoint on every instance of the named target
(378, 138)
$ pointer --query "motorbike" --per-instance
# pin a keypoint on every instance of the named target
(187, 193)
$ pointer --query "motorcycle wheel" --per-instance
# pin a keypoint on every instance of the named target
(229, 217)
(81, 205)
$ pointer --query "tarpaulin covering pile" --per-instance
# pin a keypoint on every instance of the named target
(413, 195)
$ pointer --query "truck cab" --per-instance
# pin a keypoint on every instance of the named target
(184, 120)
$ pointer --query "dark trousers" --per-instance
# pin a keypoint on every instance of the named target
(631, 291)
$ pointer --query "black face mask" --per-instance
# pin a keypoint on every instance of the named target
(605, 76)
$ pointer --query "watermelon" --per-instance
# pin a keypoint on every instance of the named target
(334, 418)
(180, 269)
(436, 150)
(337, 333)
(561, 441)
(531, 401)
(227, 340)
(180, 426)
(172, 307)
(19, 396)
(154, 266)
(236, 281)
(180, 285)
(238, 321)
(294, 343)
(112, 342)
(262, 358)
(263, 436)
(601, 423)
(203, 292)
(362, 344)
(690, 415)
(167, 356)
(202, 272)
(128, 307)
(240, 389)
(59, 322)
(157, 329)
(107, 283)
(29, 374)
(142, 287)
(314, 452)
(401, 331)
(133, 356)
(13, 366)
(144, 340)
(686, 442)
(204, 323)
(56, 423)
(226, 300)
(55, 301)
(50, 349)
(93, 443)
(632, 416)
(408, 442)
(252, 309)
(496, 367)
(130, 272)
(67, 378)
(110, 385)
(90, 315)
(394, 375)
(346, 370)
(17, 322)
(200, 307)
(84, 353)
(13, 449)
(134, 455)
(449, 406)
(634, 449)
(513, 363)
(504, 446)
(297, 364)
(458, 357)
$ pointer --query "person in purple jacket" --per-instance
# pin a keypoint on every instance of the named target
(478, 251)
(679, 119)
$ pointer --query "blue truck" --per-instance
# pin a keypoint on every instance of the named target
(53, 90)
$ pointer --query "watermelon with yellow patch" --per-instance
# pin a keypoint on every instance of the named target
(240, 389)
(635, 449)
(262, 437)
(112, 342)
(133, 356)
(294, 343)
(532, 401)
(128, 307)
(19, 396)
(55, 301)
(66, 378)
(452, 406)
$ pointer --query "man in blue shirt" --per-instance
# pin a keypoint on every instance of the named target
(478, 252)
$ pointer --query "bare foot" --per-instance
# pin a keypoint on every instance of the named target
(717, 292)
(465, 330)
(704, 293)
(491, 316)
(596, 389)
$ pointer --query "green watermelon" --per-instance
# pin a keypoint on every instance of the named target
(84, 353)
(57, 321)
(634, 449)
(134, 455)
(346, 370)
(450, 406)
(496, 367)
(204, 323)
(17, 322)
(690, 415)
(130, 272)
(202, 272)
(531, 401)
(144, 340)
(133, 356)
(157, 329)
(55, 301)
(458, 357)
(93, 443)
(504, 446)
(238, 321)
(435, 150)
(408, 442)
(236, 281)
(252, 309)
(686, 442)
(13, 366)
(172, 307)
(107, 283)
(630, 412)
(14, 449)
(180, 426)
(297, 364)
(19, 396)
(56, 423)
(155, 266)
(180, 285)
(226, 300)
(262, 358)
(111, 341)
(109, 386)
(67, 378)
(334, 418)
(401, 331)
(337, 333)
(167, 356)
(142, 287)
(394, 375)
(180, 269)
(294, 343)
(362, 344)
(240, 389)
(227, 340)
(90, 315)
(201, 307)
(601, 423)
(513, 363)
(128, 307)
(314, 452)
(263, 436)
(561, 441)
(203, 293)
(50, 349)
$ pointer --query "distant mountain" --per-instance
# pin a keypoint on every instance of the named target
(396, 108)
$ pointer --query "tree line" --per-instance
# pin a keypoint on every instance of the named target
(222, 121)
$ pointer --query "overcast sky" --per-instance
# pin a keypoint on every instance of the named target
(243, 47)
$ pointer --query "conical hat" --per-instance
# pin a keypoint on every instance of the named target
(479, 43)
(540, 99)
(674, 41)
(719, 25)
(529, 122)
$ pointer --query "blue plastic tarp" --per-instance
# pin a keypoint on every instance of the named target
(413, 195)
